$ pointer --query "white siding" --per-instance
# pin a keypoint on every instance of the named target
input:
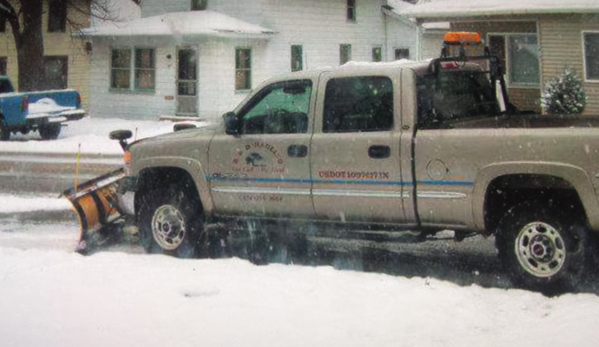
(319, 26)
(401, 36)
(217, 75)
(106, 103)
(156, 7)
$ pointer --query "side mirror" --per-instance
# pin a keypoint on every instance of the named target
(122, 136)
(183, 126)
(231, 123)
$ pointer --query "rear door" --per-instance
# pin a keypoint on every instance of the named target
(355, 148)
(265, 171)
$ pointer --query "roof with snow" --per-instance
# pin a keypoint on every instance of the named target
(467, 8)
(197, 23)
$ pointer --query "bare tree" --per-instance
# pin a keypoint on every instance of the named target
(25, 19)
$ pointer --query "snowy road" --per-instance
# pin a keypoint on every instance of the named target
(436, 293)
(472, 261)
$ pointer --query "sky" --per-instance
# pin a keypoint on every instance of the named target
(52, 296)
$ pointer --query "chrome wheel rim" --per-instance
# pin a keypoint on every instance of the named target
(168, 227)
(540, 249)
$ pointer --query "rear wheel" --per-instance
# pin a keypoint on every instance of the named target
(4, 132)
(50, 131)
(542, 249)
(170, 222)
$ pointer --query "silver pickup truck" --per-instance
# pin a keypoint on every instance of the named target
(378, 148)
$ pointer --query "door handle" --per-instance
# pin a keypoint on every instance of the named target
(297, 151)
(379, 152)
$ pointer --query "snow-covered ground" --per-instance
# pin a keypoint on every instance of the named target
(51, 296)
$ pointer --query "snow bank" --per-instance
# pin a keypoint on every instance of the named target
(89, 134)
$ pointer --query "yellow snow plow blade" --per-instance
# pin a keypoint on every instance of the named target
(96, 204)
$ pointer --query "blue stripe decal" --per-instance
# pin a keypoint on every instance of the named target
(454, 183)
(446, 183)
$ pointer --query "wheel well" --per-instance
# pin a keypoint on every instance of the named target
(164, 177)
(507, 191)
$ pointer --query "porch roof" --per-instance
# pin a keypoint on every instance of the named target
(192, 23)
(442, 9)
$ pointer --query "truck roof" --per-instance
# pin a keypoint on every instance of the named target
(421, 67)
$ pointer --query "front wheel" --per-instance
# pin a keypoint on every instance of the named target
(542, 249)
(170, 222)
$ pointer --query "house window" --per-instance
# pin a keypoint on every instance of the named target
(199, 5)
(243, 69)
(57, 16)
(344, 53)
(121, 69)
(377, 54)
(402, 53)
(351, 10)
(137, 65)
(591, 56)
(357, 104)
(524, 59)
(56, 72)
(145, 69)
(520, 55)
(297, 58)
(3, 66)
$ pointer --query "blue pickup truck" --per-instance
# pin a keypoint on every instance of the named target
(43, 111)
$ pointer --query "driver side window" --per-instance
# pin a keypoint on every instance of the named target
(281, 108)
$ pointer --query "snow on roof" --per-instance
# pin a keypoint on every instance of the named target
(468, 8)
(209, 23)
(396, 8)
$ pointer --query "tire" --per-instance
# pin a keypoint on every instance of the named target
(50, 131)
(4, 132)
(170, 222)
(541, 249)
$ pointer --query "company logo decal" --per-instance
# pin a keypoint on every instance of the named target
(258, 157)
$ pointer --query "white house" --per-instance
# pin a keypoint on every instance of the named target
(200, 58)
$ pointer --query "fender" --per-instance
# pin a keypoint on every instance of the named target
(190, 165)
(576, 176)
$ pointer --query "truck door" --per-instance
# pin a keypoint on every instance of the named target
(264, 171)
(355, 153)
